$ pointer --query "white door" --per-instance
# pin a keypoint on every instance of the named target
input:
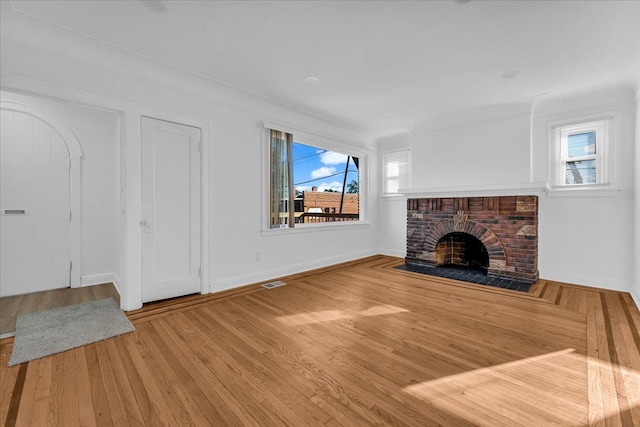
(35, 222)
(170, 210)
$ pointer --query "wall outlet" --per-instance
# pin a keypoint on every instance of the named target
(258, 255)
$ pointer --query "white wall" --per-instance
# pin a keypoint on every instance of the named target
(636, 212)
(237, 213)
(588, 240)
(488, 152)
(52, 62)
(98, 132)
(585, 240)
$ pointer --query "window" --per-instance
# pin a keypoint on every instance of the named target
(580, 152)
(320, 184)
(395, 172)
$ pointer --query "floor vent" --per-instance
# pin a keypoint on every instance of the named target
(272, 285)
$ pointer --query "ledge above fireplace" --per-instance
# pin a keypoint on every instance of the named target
(484, 190)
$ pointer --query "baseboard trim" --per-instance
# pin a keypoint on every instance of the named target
(98, 279)
(393, 252)
(588, 280)
(234, 282)
(636, 299)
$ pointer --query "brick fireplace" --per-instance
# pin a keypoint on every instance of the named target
(496, 235)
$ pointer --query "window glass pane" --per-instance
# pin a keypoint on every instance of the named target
(327, 185)
(393, 169)
(396, 171)
(581, 144)
(581, 172)
(393, 185)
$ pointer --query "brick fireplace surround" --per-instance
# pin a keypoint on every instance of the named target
(507, 226)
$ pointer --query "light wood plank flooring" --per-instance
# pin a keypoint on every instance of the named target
(353, 345)
(13, 306)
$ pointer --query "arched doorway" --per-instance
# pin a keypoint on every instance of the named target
(39, 202)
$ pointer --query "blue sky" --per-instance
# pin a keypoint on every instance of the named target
(322, 168)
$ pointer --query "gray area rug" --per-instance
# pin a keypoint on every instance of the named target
(53, 331)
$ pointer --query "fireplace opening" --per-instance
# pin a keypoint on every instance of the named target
(462, 250)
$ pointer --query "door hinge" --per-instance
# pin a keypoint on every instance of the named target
(70, 215)
(200, 272)
(200, 146)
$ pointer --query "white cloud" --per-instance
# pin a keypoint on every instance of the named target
(333, 158)
(335, 186)
(322, 172)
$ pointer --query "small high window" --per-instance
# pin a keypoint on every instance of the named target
(580, 152)
(395, 172)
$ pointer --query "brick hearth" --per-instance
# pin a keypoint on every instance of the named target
(507, 226)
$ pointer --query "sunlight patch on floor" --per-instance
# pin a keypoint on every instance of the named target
(313, 317)
(378, 310)
(331, 315)
(554, 385)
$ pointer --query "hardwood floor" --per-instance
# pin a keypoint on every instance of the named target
(13, 306)
(353, 345)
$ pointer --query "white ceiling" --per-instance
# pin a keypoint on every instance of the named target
(415, 60)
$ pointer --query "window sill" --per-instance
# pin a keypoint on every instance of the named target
(593, 190)
(394, 197)
(483, 190)
(312, 228)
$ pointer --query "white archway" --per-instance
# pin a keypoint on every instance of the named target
(75, 155)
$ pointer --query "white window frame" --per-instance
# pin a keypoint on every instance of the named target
(385, 172)
(320, 141)
(604, 127)
(596, 127)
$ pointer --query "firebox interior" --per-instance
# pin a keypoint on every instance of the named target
(462, 250)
